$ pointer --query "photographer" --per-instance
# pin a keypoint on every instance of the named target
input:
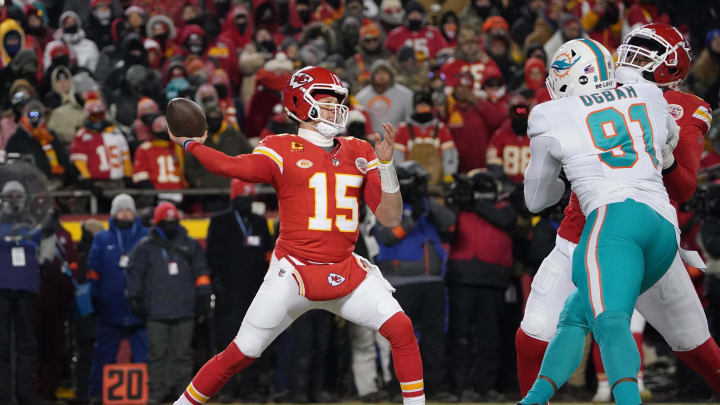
(478, 275)
(412, 259)
(710, 242)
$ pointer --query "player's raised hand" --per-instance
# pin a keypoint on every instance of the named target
(385, 146)
(180, 140)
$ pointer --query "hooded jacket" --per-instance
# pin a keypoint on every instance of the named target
(7, 27)
(107, 271)
(84, 50)
(68, 117)
(229, 29)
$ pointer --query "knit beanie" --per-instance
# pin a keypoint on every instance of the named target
(121, 202)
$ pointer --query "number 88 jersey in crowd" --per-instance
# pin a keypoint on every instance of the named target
(319, 193)
(609, 143)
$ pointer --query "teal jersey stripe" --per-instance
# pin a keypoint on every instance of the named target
(600, 58)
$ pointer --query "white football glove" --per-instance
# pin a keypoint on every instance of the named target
(670, 145)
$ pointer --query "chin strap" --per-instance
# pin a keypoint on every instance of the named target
(388, 178)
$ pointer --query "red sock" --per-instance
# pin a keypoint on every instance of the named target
(398, 330)
(639, 341)
(215, 373)
(597, 360)
(704, 360)
(530, 352)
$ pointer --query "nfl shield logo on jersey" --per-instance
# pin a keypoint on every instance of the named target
(335, 279)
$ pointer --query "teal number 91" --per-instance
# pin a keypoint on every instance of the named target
(617, 144)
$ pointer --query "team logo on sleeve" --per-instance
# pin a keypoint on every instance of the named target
(561, 66)
(361, 164)
(304, 164)
(300, 79)
(335, 279)
(676, 111)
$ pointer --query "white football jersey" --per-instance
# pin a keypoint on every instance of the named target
(610, 144)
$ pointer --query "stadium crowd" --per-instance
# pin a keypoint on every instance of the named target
(83, 88)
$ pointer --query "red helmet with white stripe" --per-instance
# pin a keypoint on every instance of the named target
(658, 51)
(310, 84)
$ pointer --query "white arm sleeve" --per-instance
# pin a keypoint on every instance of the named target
(543, 188)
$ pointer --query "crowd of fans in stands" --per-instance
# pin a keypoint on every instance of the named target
(83, 88)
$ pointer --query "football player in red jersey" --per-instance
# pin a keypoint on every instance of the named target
(319, 179)
(654, 53)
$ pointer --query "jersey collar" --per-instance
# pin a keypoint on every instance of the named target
(315, 138)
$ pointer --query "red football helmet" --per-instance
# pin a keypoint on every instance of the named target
(659, 51)
(309, 82)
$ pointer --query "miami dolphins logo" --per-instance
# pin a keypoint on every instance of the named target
(562, 64)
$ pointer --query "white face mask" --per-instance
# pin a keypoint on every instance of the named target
(327, 130)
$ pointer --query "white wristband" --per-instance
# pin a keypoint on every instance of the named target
(388, 178)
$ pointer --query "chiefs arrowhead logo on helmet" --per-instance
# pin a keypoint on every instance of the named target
(299, 79)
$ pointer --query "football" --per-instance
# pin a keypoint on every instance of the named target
(185, 118)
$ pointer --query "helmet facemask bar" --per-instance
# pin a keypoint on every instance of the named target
(339, 113)
(339, 109)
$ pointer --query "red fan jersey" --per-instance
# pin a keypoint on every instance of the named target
(105, 152)
(435, 133)
(453, 67)
(511, 151)
(426, 42)
(158, 162)
(318, 192)
(693, 116)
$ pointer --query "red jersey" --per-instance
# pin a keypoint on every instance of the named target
(318, 191)
(435, 133)
(693, 116)
(105, 152)
(158, 162)
(511, 151)
(426, 42)
(455, 66)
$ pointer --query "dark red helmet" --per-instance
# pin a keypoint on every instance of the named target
(310, 84)
(664, 46)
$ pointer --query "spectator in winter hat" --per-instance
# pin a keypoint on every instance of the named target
(12, 39)
(569, 28)
(146, 107)
(238, 26)
(36, 25)
(383, 99)
(135, 17)
(162, 29)
(163, 266)
(534, 73)
(99, 23)
(68, 115)
(357, 67)
(155, 54)
(107, 263)
(71, 33)
(392, 14)
(449, 23)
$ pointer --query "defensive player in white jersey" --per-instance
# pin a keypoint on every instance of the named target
(609, 141)
(658, 54)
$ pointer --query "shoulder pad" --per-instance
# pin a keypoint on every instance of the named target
(538, 122)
